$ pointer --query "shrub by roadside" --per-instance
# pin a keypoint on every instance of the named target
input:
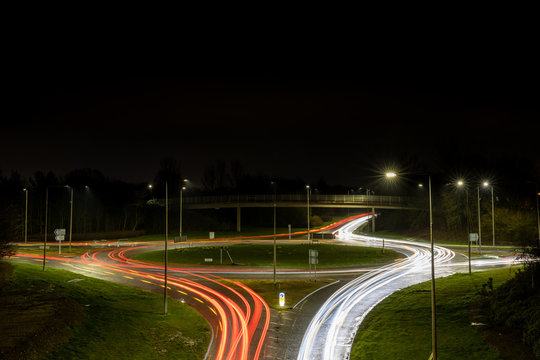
(516, 304)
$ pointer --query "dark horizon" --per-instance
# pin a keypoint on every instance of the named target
(311, 126)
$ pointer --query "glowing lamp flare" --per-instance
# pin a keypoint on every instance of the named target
(391, 174)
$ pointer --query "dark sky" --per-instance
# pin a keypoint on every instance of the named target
(316, 114)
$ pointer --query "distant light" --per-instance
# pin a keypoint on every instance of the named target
(485, 184)
(24, 189)
(390, 174)
(420, 185)
(149, 186)
(183, 188)
(307, 186)
(186, 180)
(460, 183)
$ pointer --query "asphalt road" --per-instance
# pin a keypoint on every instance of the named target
(320, 327)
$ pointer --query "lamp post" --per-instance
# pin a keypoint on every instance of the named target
(484, 184)
(487, 184)
(461, 183)
(479, 219)
(537, 212)
(45, 235)
(166, 255)
(25, 215)
(308, 190)
(70, 216)
(433, 302)
(181, 207)
(275, 246)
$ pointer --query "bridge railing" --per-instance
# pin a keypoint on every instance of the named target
(314, 198)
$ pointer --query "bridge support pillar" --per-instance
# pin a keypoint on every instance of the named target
(373, 220)
(238, 220)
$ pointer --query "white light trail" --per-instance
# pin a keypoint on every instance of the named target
(331, 331)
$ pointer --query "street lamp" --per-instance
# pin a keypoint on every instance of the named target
(166, 255)
(484, 184)
(25, 215)
(487, 184)
(70, 216)
(181, 206)
(537, 213)
(275, 246)
(45, 235)
(308, 190)
(461, 183)
(433, 310)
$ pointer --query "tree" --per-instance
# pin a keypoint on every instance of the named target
(169, 172)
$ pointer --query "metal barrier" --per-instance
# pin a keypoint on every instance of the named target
(291, 198)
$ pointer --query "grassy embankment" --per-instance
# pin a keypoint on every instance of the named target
(57, 314)
(295, 290)
(288, 256)
(400, 326)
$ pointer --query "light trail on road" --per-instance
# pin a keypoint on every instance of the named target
(239, 318)
(331, 332)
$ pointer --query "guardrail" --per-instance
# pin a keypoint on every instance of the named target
(314, 198)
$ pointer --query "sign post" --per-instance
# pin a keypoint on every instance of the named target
(281, 299)
(60, 235)
(473, 237)
(313, 260)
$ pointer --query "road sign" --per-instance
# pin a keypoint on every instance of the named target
(473, 237)
(281, 299)
(313, 257)
(60, 232)
(182, 238)
(60, 237)
(211, 235)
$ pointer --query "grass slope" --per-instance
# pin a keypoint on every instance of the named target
(44, 315)
(295, 290)
(400, 326)
(288, 256)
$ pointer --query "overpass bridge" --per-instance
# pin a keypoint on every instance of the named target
(371, 202)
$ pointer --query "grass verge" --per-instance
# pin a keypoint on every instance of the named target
(57, 314)
(400, 326)
(288, 256)
(295, 290)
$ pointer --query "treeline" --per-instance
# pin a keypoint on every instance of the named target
(108, 208)
(455, 215)
(116, 208)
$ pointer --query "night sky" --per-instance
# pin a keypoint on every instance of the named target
(339, 116)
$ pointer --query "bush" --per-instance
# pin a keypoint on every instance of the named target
(316, 221)
(516, 304)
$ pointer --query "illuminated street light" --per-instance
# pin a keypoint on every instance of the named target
(70, 215)
(433, 309)
(273, 183)
(461, 183)
(485, 184)
(166, 255)
(25, 215)
(181, 206)
(308, 190)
